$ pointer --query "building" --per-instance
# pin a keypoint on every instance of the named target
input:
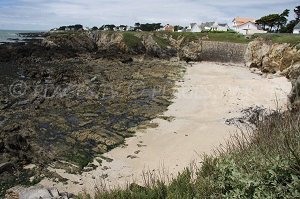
(194, 27)
(246, 26)
(168, 28)
(207, 26)
(220, 27)
(297, 29)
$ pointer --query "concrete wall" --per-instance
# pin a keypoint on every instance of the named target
(223, 51)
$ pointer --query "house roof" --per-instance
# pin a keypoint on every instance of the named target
(207, 24)
(297, 26)
(240, 21)
(193, 24)
(223, 24)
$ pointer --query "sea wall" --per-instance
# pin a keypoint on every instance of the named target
(223, 51)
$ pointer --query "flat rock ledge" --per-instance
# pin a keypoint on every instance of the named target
(36, 192)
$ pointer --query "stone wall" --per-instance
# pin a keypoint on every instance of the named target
(223, 51)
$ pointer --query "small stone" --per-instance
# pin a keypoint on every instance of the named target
(93, 79)
(132, 156)
(137, 152)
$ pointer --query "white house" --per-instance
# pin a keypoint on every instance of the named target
(194, 27)
(246, 26)
(297, 29)
(220, 27)
(207, 26)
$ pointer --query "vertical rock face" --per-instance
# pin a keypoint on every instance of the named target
(272, 58)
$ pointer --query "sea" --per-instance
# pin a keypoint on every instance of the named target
(13, 35)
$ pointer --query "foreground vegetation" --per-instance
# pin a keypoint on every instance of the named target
(262, 164)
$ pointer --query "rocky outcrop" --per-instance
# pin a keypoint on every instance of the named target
(283, 59)
(117, 44)
(36, 192)
(269, 57)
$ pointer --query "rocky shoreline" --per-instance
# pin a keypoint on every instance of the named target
(72, 97)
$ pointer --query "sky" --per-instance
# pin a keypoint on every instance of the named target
(47, 14)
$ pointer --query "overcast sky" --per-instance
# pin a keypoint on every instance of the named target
(46, 14)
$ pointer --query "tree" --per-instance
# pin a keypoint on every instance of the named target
(290, 26)
(150, 27)
(176, 28)
(282, 20)
(78, 27)
(297, 13)
(94, 28)
(137, 24)
(62, 28)
(274, 22)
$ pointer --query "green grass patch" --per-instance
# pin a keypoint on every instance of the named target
(280, 38)
(131, 40)
(80, 158)
(211, 36)
(162, 42)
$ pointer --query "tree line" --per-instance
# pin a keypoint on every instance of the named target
(279, 22)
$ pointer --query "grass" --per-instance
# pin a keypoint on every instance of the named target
(131, 40)
(262, 163)
(162, 42)
(281, 38)
(212, 36)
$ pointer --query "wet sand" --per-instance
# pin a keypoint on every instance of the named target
(209, 94)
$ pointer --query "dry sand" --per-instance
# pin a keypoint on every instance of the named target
(209, 94)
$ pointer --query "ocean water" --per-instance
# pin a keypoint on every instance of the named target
(12, 35)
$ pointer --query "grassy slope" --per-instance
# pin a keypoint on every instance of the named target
(233, 37)
(265, 165)
(281, 38)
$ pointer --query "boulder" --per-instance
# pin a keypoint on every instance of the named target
(256, 51)
(294, 96)
(269, 57)
(35, 192)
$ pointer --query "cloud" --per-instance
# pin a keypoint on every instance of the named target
(44, 14)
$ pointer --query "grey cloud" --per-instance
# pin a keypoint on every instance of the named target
(44, 14)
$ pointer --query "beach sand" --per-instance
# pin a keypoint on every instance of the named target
(209, 94)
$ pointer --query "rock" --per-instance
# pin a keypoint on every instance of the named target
(294, 96)
(127, 61)
(35, 192)
(255, 53)
(82, 124)
(16, 143)
(12, 128)
(132, 156)
(54, 192)
(7, 166)
(94, 79)
(2, 146)
(174, 59)
(269, 57)
(191, 51)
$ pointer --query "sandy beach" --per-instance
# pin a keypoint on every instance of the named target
(209, 94)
